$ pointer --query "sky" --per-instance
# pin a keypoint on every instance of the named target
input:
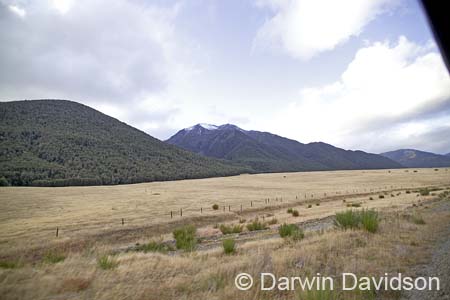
(358, 74)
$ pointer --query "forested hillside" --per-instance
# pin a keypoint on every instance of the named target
(58, 142)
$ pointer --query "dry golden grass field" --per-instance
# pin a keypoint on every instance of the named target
(89, 222)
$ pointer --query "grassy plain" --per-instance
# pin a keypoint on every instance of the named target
(89, 221)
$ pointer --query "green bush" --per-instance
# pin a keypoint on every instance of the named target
(424, 192)
(185, 237)
(347, 220)
(154, 246)
(215, 206)
(291, 231)
(295, 213)
(256, 225)
(289, 210)
(369, 220)
(227, 229)
(229, 246)
(53, 257)
(107, 263)
(9, 264)
(365, 219)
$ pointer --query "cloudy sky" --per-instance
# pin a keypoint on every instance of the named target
(359, 74)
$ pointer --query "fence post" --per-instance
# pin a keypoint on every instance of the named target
(57, 231)
(123, 222)
(171, 214)
(201, 210)
(251, 203)
(181, 212)
(229, 207)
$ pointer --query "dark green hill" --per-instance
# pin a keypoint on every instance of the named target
(418, 159)
(267, 152)
(57, 142)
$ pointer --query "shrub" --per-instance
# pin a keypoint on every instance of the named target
(381, 196)
(417, 219)
(154, 246)
(347, 220)
(256, 225)
(353, 204)
(295, 213)
(291, 231)
(53, 257)
(107, 263)
(317, 204)
(215, 207)
(371, 198)
(273, 221)
(408, 192)
(309, 205)
(369, 220)
(227, 229)
(229, 246)
(350, 219)
(424, 192)
(185, 237)
(8, 264)
(289, 210)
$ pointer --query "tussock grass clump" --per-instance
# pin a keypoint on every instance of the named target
(229, 246)
(295, 213)
(241, 221)
(256, 225)
(154, 246)
(272, 221)
(353, 204)
(424, 192)
(53, 257)
(351, 219)
(309, 205)
(185, 237)
(215, 206)
(291, 231)
(289, 210)
(228, 229)
(369, 220)
(5, 264)
(347, 220)
(107, 262)
(417, 219)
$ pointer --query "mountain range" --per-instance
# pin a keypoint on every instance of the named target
(57, 142)
(267, 152)
(60, 142)
(412, 158)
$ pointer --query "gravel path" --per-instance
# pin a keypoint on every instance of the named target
(439, 266)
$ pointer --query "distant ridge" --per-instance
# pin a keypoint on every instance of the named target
(267, 152)
(59, 142)
(413, 158)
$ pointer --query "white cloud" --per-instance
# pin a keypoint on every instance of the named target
(304, 28)
(387, 94)
(18, 11)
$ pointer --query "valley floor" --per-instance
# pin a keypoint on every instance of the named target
(35, 264)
